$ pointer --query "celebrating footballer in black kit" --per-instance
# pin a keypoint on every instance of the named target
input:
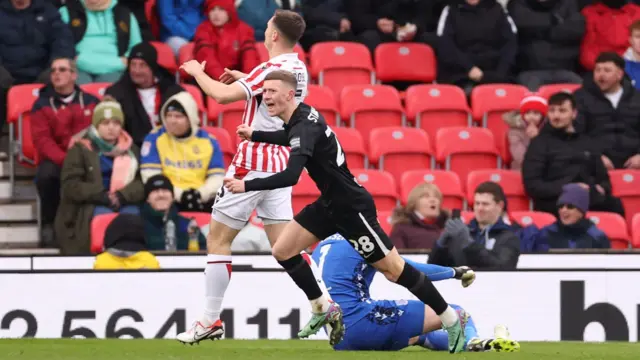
(344, 207)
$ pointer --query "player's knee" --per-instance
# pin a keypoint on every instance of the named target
(281, 253)
(220, 238)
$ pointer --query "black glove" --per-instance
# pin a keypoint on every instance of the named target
(191, 200)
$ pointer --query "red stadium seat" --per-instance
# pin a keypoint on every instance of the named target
(264, 54)
(537, 218)
(352, 146)
(224, 140)
(448, 182)
(185, 54)
(381, 185)
(338, 64)
(227, 116)
(547, 90)
(509, 180)
(197, 96)
(20, 100)
(99, 225)
(323, 100)
(304, 193)
(635, 229)
(367, 107)
(431, 107)
(625, 184)
(489, 102)
(203, 219)
(463, 150)
(614, 226)
(384, 218)
(166, 57)
(398, 149)
(96, 89)
(413, 62)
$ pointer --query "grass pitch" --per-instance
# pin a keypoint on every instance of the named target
(76, 349)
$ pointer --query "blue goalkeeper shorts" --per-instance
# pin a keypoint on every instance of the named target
(383, 325)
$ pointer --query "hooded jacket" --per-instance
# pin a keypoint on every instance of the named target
(98, 49)
(549, 33)
(179, 17)
(607, 29)
(31, 38)
(125, 91)
(582, 235)
(494, 247)
(556, 158)
(232, 45)
(482, 35)
(190, 162)
(54, 122)
(615, 131)
(632, 67)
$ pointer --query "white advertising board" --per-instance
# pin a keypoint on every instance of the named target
(536, 305)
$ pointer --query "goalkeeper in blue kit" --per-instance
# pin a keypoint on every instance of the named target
(392, 324)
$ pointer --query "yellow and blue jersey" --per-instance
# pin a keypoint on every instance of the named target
(186, 162)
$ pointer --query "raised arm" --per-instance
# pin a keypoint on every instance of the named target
(270, 137)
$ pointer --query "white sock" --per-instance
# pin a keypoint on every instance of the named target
(320, 305)
(217, 275)
(449, 317)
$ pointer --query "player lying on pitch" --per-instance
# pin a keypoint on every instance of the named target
(344, 207)
(392, 324)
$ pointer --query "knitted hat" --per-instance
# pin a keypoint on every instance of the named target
(533, 102)
(147, 53)
(175, 105)
(157, 182)
(574, 194)
(107, 109)
(126, 232)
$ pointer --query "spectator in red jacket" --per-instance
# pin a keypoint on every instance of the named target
(607, 29)
(224, 41)
(61, 111)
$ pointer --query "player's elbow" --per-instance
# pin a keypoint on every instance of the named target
(223, 99)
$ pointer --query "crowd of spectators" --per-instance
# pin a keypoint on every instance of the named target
(140, 150)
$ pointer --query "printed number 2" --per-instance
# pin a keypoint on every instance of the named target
(363, 245)
(323, 255)
(340, 153)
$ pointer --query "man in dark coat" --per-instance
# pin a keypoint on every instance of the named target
(32, 34)
(549, 37)
(560, 155)
(477, 44)
(487, 242)
(142, 90)
(609, 113)
(326, 21)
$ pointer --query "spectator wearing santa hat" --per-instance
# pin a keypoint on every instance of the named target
(524, 125)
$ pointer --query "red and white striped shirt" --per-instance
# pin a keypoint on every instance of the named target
(260, 156)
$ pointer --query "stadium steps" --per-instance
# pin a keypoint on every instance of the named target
(18, 209)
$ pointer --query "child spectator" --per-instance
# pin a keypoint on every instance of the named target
(164, 227)
(224, 41)
(632, 55)
(187, 155)
(104, 33)
(178, 21)
(524, 124)
(99, 176)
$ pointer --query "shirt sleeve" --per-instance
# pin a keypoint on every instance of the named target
(216, 165)
(287, 177)
(303, 137)
(149, 156)
(252, 84)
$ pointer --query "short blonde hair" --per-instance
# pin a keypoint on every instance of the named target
(401, 214)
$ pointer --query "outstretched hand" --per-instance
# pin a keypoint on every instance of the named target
(229, 76)
(244, 132)
(193, 67)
